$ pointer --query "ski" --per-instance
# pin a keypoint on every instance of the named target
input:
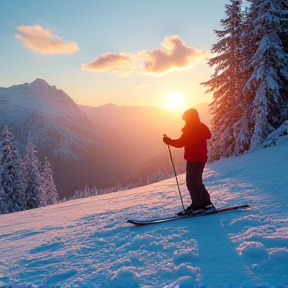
(173, 218)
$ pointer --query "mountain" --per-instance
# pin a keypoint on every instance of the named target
(48, 117)
(38, 102)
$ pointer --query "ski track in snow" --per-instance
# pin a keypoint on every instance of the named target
(87, 242)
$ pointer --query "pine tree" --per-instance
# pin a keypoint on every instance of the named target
(34, 185)
(49, 187)
(284, 25)
(250, 83)
(242, 128)
(284, 38)
(227, 82)
(3, 208)
(269, 63)
(12, 179)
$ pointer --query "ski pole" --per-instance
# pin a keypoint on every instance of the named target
(176, 177)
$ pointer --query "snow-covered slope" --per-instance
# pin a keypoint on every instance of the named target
(87, 242)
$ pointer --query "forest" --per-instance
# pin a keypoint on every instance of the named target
(25, 183)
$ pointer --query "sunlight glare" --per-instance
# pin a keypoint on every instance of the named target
(174, 101)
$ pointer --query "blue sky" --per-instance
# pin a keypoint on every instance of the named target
(122, 52)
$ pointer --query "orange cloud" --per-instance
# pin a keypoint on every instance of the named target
(117, 64)
(43, 41)
(172, 55)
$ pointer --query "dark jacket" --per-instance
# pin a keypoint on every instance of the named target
(193, 139)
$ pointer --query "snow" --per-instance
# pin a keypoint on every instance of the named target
(39, 97)
(277, 137)
(87, 242)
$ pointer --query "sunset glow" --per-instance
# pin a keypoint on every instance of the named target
(174, 101)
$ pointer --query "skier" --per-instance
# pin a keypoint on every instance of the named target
(193, 139)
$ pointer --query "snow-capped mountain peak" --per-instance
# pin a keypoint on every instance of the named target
(38, 102)
(41, 97)
(39, 82)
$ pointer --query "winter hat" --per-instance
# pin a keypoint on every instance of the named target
(190, 114)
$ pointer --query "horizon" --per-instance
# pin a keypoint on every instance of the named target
(112, 54)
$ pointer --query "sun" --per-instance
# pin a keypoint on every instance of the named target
(174, 101)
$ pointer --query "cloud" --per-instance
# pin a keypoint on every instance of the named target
(118, 64)
(172, 55)
(43, 41)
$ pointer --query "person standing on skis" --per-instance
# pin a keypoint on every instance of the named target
(194, 140)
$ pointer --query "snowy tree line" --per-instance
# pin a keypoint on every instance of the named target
(250, 80)
(89, 192)
(25, 183)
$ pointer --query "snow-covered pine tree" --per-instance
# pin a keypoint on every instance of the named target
(226, 83)
(49, 187)
(242, 128)
(34, 182)
(269, 64)
(242, 120)
(12, 179)
(284, 25)
(3, 208)
(284, 39)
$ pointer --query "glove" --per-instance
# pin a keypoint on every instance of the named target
(166, 140)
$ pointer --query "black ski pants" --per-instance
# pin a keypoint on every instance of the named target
(199, 194)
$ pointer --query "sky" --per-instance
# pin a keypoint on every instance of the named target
(144, 52)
